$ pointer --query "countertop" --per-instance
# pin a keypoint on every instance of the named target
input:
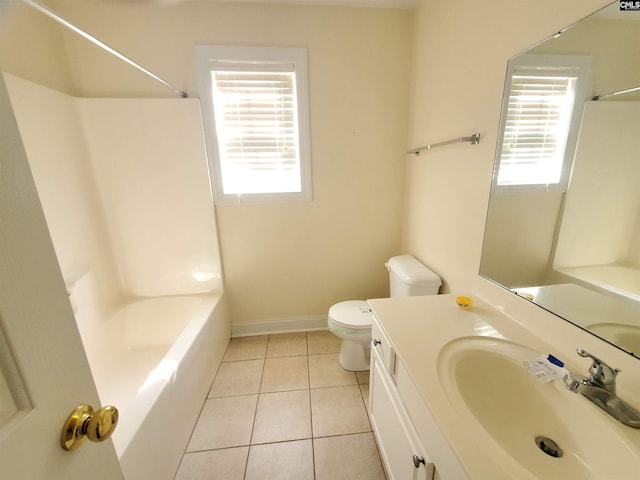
(419, 328)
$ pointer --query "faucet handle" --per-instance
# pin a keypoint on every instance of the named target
(601, 373)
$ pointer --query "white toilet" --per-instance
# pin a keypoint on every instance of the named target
(351, 320)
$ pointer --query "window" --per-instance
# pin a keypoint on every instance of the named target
(254, 103)
(541, 114)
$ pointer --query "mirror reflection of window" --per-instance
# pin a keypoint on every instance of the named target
(542, 109)
(574, 249)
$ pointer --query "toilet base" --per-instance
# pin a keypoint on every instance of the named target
(354, 356)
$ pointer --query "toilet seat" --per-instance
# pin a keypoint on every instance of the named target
(352, 314)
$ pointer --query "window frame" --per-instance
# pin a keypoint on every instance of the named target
(297, 57)
(547, 63)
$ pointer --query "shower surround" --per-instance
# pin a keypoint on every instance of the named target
(125, 191)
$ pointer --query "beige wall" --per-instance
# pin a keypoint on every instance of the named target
(610, 43)
(295, 260)
(31, 47)
(460, 54)
(634, 251)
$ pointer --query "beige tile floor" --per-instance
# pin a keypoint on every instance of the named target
(281, 407)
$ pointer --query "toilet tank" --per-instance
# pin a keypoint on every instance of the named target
(408, 277)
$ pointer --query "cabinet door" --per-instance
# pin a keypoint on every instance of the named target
(429, 435)
(392, 430)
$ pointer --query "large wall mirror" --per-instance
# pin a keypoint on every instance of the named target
(563, 225)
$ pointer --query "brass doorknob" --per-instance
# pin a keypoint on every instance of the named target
(83, 422)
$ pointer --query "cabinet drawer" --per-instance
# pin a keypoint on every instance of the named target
(381, 344)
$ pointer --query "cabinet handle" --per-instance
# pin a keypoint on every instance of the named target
(429, 467)
(376, 342)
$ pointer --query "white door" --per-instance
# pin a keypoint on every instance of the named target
(44, 372)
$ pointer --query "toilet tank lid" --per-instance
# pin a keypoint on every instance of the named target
(412, 272)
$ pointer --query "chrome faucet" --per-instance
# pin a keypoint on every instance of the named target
(600, 388)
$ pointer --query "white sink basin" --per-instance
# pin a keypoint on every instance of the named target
(625, 336)
(505, 407)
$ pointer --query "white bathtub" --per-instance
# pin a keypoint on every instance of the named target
(155, 359)
(619, 278)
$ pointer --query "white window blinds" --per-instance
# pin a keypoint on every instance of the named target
(257, 128)
(255, 112)
(537, 123)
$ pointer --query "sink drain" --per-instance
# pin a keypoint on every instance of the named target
(548, 446)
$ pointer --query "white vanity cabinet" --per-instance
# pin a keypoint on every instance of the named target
(402, 454)
(411, 444)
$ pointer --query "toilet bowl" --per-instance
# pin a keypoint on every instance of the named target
(351, 320)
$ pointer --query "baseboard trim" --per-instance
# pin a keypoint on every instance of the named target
(284, 325)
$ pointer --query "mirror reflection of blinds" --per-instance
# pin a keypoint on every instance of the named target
(255, 108)
(536, 128)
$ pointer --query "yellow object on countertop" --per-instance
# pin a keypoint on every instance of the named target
(464, 303)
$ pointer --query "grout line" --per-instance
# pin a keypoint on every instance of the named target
(336, 435)
(336, 386)
(218, 449)
(313, 457)
(246, 463)
(249, 445)
(313, 443)
(255, 413)
(310, 404)
(261, 444)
